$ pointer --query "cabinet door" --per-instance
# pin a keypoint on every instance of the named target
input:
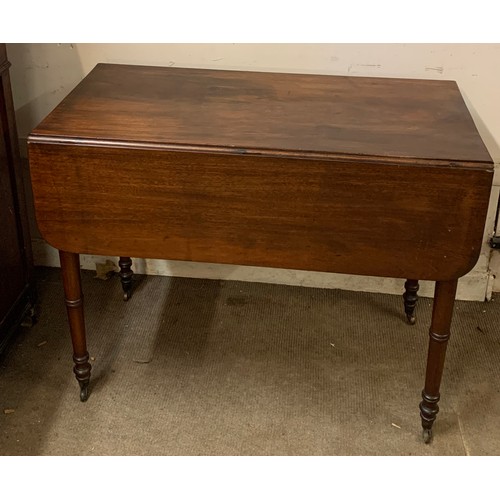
(12, 270)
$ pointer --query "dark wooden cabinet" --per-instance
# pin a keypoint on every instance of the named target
(17, 292)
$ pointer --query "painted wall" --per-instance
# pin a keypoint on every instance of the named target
(43, 74)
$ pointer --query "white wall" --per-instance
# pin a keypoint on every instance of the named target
(42, 74)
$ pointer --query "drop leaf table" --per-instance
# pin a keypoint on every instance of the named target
(369, 176)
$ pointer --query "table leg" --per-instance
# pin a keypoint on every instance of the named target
(439, 333)
(70, 266)
(410, 298)
(126, 274)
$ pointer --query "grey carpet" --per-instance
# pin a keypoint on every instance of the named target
(201, 367)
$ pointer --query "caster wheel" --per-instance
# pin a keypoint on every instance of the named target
(30, 319)
(411, 319)
(427, 435)
(127, 295)
(84, 393)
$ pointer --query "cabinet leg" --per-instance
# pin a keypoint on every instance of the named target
(126, 274)
(439, 333)
(70, 267)
(410, 298)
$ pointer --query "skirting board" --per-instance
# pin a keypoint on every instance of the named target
(476, 285)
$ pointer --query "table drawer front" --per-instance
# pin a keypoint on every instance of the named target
(421, 222)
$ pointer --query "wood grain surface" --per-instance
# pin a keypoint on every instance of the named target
(346, 217)
(373, 176)
(267, 113)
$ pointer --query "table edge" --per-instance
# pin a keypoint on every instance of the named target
(33, 138)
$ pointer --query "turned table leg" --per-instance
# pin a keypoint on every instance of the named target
(410, 298)
(126, 274)
(439, 333)
(70, 266)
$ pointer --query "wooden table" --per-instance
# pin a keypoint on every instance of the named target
(369, 176)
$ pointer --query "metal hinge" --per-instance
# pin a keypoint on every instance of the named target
(495, 242)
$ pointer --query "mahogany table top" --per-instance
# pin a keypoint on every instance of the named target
(268, 113)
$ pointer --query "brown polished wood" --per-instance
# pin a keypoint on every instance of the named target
(70, 267)
(284, 114)
(439, 333)
(261, 211)
(126, 273)
(370, 176)
(17, 288)
(410, 298)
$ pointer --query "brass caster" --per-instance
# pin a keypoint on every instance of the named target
(84, 391)
(127, 295)
(411, 319)
(427, 435)
(30, 319)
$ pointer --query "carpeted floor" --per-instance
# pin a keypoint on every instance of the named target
(200, 367)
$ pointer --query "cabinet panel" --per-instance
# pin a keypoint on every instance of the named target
(11, 264)
(16, 286)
